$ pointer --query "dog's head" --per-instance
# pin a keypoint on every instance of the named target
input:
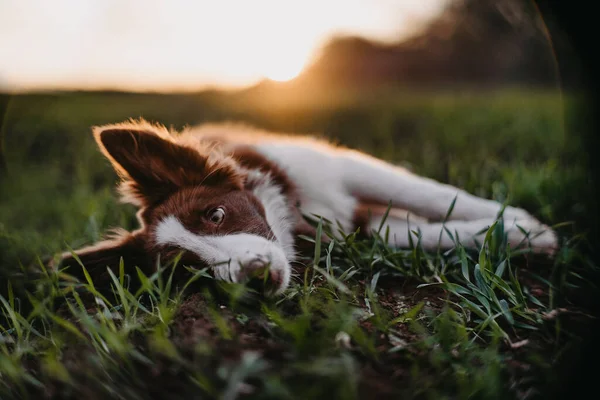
(197, 201)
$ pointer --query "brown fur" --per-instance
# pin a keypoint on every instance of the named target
(191, 205)
(153, 165)
(165, 174)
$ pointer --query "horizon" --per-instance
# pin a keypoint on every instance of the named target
(131, 46)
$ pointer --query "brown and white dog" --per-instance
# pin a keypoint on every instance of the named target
(233, 198)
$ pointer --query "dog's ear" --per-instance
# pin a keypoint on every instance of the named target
(154, 166)
(105, 254)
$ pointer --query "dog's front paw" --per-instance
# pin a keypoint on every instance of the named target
(268, 272)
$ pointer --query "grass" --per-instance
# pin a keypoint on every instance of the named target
(360, 319)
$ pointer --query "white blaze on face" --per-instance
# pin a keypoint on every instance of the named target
(228, 253)
(277, 211)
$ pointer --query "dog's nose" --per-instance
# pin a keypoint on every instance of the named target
(260, 276)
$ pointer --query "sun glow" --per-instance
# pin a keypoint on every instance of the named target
(180, 44)
(284, 71)
(287, 63)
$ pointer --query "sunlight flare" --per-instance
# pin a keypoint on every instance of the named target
(182, 45)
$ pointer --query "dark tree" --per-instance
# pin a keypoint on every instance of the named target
(481, 42)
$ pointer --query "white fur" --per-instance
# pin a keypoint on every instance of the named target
(227, 254)
(540, 238)
(332, 181)
(373, 178)
(317, 174)
(277, 211)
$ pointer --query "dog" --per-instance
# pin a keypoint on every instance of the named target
(235, 198)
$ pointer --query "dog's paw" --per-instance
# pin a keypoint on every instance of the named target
(512, 214)
(533, 234)
(268, 271)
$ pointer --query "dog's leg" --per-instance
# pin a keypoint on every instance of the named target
(541, 240)
(375, 181)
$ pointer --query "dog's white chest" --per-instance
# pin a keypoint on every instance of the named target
(317, 174)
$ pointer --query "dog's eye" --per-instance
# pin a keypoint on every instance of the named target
(216, 215)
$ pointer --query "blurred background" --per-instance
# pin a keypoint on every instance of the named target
(463, 91)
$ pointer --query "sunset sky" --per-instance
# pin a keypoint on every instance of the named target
(177, 44)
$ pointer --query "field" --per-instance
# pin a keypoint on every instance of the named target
(361, 320)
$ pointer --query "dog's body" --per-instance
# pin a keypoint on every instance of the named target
(235, 195)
